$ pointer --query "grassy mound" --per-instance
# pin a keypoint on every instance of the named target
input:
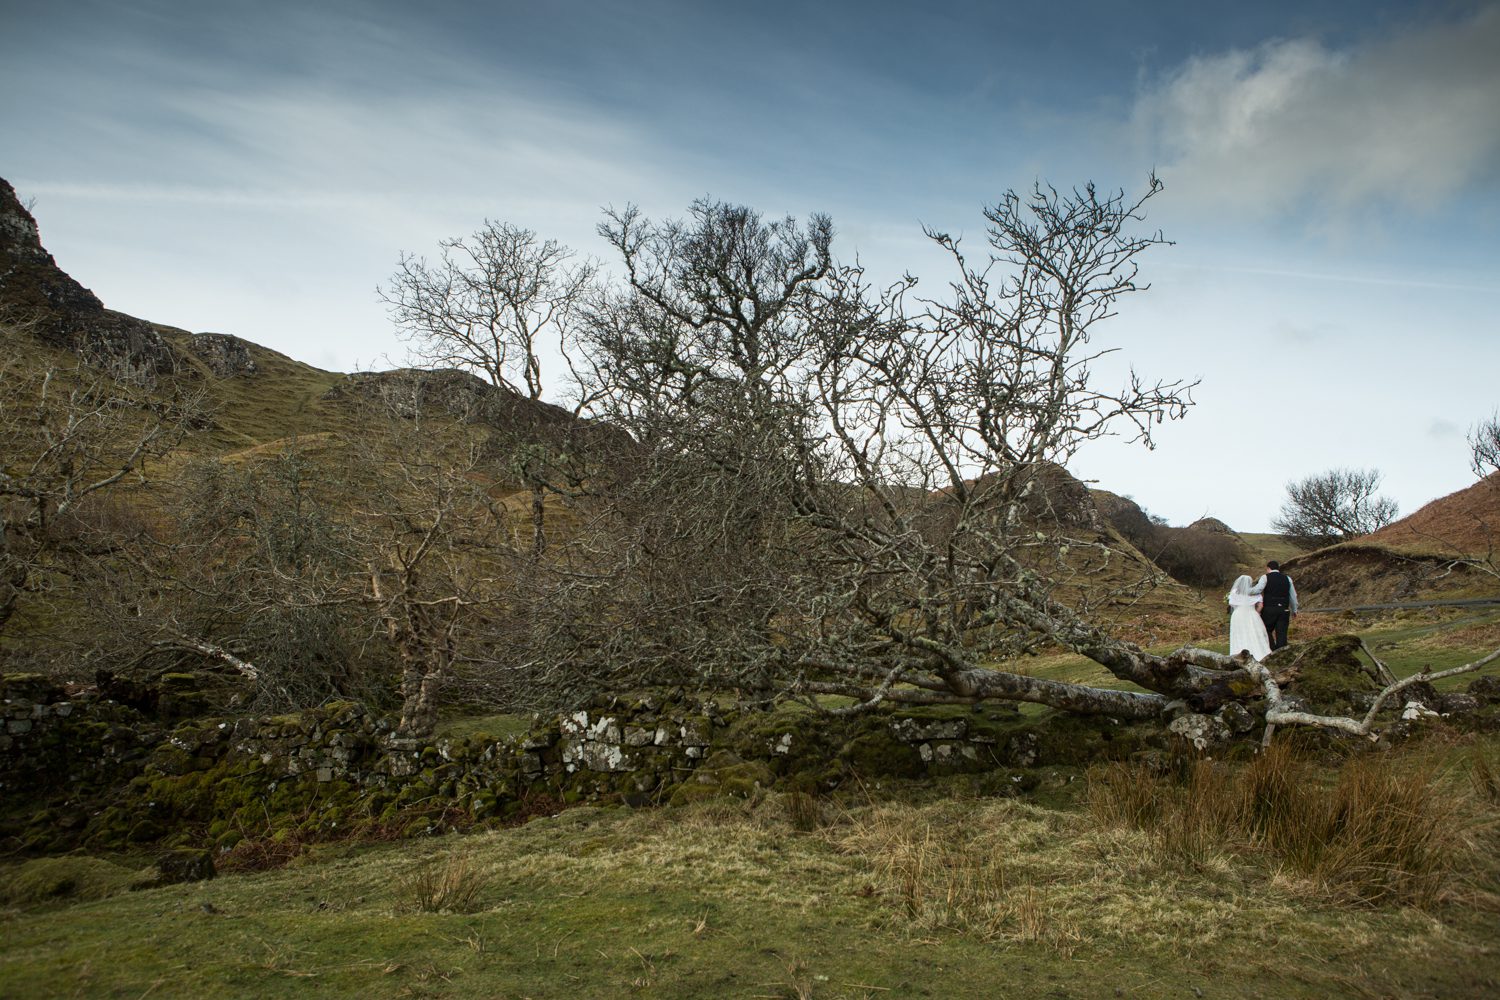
(46, 880)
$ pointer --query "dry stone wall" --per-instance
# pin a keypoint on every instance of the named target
(87, 771)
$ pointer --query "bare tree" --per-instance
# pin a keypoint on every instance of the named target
(1484, 446)
(426, 527)
(250, 564)
(1336, 506)
(74, 437)
(497, 303)
(321, 569)
(851, 490)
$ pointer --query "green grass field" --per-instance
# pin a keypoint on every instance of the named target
(905, 890)
(935, 895)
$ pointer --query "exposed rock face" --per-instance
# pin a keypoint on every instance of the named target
(406, 391)
(225, 354)
(38, 295)
(1211, 524)
(1060, 497)
(1112, 507)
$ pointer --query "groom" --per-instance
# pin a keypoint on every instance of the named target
(1279, 602)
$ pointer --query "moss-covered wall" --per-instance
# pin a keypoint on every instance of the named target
(90, 772)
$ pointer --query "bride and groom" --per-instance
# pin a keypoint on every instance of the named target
(1260, 613)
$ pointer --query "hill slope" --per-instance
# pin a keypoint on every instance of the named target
(1421, 557)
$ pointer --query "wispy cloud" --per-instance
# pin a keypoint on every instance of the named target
(1410, 120)
(1324, 276)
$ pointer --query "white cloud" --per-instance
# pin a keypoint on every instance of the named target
(1409, 119)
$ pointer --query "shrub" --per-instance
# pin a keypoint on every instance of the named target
(1193, 556)
(1198, 558)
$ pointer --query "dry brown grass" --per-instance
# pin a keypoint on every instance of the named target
(1382, 831)
(451, 885)
(965, 870)
(1467, 521)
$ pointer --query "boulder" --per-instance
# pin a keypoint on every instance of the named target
(1200, 731)
(188, 865)
(225, 355)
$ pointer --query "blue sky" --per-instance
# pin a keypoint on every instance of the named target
(1332, 173)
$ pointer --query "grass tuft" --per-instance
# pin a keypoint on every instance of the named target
(1485, 777)
(1384, 831)
(451, 886)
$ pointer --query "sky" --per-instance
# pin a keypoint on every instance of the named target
(1331, 172)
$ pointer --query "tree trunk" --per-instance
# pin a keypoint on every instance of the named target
(420, 680)
(538, 522)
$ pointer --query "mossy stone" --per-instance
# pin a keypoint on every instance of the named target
(1327, 673)
(876, 754)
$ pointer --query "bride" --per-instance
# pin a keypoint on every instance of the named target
(1246, 630)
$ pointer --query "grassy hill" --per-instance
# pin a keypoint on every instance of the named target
(1446, 550)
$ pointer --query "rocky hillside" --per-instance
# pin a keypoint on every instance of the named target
(254, 395)
(38, 296)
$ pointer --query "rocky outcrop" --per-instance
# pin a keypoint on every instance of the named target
(1212, 525)
(226, 355)
(404, 392)
(1060, 497)
(1113, 507)
(38, 296)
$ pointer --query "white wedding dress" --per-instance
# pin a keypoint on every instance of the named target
(1246, 630)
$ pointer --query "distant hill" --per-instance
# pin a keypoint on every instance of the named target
(1207, 553)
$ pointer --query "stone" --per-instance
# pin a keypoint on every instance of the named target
(1459, 703)
(182, 866)
(1415, 710)
(695, 732)
(922, 731)
(606, 757)
(1200, 731)
(1486, 688)
(1236, 718)
(1022, 750)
